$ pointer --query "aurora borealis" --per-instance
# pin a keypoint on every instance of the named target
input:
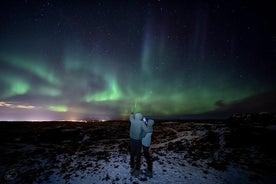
(68, 60)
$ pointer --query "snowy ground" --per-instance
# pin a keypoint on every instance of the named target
(97, 152)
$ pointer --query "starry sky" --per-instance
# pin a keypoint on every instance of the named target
(70, 60)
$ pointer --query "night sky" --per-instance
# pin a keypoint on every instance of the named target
(69, 60)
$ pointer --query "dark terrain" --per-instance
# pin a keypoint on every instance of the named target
(70, 152)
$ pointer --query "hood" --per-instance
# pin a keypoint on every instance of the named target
(150, 122)
(138, 116)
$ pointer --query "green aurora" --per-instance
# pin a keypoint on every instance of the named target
(79, 83)
(98, 66)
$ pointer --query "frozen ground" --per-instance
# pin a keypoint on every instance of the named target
(97, 152)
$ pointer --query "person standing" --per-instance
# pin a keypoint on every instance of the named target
(147, 127)
(135, 142)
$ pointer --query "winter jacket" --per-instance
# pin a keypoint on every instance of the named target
(147, 132)
(136, 126)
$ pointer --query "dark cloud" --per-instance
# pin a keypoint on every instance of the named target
(263, 102)
(257, 103)
(220, 104)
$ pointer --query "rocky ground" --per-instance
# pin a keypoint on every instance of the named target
(97, 152)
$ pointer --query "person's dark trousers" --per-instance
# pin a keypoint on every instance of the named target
(148, 157)
(135, 153)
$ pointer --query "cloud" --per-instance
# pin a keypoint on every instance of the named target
(263, 102)
(220, 104)
(16, 106)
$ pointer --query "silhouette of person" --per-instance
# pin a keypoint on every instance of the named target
(147, 127)
(135, 142)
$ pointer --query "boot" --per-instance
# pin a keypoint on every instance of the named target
(136, 173)
(149, 173)
(132, 171)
